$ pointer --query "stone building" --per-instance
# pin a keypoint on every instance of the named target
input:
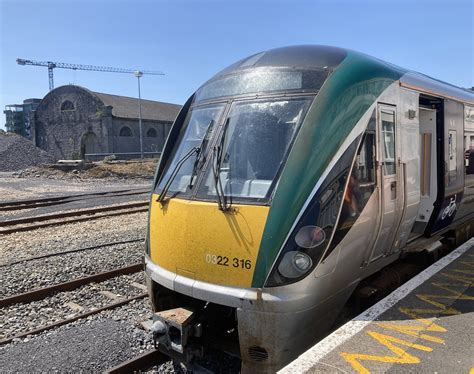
(72, 121)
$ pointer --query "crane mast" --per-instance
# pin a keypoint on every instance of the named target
(63, 65)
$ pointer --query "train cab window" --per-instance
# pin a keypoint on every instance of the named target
(388, 141)
(254, 143)
(197, 131)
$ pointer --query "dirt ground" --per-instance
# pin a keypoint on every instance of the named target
(113, 170)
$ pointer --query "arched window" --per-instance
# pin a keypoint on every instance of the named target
(67, 105)
(151, 133)
(125, 131)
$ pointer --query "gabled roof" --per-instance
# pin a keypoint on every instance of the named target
(127, 107)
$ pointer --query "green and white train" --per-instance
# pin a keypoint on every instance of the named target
(286, 180)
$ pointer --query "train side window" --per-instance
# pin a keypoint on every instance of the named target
(388, 141)
(362, 179)
(364, 168)
(452, 150)
(425, 174)
(361, 185)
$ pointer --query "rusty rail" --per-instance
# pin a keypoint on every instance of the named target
(48, 217)
(72, 319)
(41, 293)
(72, 251)
(122, 209)
(53, 200)
(139, 363)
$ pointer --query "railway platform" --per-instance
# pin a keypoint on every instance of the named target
(425, 326)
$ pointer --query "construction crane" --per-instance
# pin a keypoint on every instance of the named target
(62, 65)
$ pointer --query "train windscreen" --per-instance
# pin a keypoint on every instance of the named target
(252, 147)
(243, 152)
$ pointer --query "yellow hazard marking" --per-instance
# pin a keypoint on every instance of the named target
(423, 324)
(465, 280)
(455, 294)
(400, 355)
(412, 330)
(416, 314)
(198, 241)
(464, 271)
(431, 299)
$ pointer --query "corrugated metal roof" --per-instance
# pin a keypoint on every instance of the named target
(127, 107)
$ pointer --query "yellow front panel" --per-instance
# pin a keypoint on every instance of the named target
(197, 240)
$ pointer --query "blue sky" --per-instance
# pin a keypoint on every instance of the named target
(191, 40)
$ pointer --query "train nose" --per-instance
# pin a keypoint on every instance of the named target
(196, 240)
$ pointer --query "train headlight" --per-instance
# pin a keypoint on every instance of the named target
(302, 261)
(301, 254)
(310, 237)
(294, 264)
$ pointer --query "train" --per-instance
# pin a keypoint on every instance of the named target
(286, 180)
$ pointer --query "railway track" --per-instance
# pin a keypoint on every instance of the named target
(140, 363)
(42, 293)
(73, 319)
(59, 200)
(72, 251)
(78, 297)
(62, 218)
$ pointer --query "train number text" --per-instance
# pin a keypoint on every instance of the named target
(226, 261)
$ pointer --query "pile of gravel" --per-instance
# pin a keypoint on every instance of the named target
(17, 152)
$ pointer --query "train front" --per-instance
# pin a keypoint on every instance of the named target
(228, 251)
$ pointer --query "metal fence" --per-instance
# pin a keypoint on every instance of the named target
(120, 155)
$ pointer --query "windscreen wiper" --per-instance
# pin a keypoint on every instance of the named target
(175, 171)
(200, 157)
(218, 152)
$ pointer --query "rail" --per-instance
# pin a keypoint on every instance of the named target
(83, 215)
(56, 200)
(139, 363)
(41, 293)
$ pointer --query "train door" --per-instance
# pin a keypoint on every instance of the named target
(389, 182)
(428, 169)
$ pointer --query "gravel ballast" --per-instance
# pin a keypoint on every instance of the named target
(24, 317)
(23, 245)
(17, 152)
(92, 344)
(27, 276)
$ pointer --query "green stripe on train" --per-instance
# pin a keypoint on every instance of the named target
(341, 102)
